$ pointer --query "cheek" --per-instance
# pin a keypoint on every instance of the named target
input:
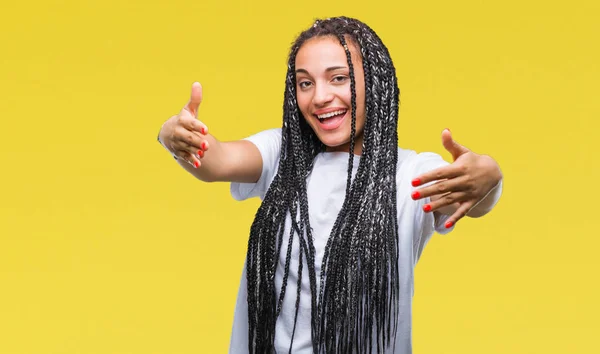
(360, 101)
(346, 95)
(303, 102)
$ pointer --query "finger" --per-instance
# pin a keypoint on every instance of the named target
(452, 146)
(442, 187)
(445, 172)
(446, 200)
(195, 99)
(185, 148)
(182, 138)
(193, 124)
(189, 158)
(204, 145)
(197, 153)
(460, 213)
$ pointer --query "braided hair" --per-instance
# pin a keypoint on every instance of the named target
(356, 306)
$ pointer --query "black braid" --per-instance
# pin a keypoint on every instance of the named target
(357, 303)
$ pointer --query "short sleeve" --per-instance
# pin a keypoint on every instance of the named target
(422, 163)
(426, 162)
(268, 143)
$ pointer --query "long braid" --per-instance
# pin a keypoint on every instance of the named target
(310, 147)
(357, 302)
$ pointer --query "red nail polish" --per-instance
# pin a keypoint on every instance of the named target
(201, 153)
(416, 195)
(416, 182)
(203, 130)
(204, 145)
(196, 164)
(449, 224)
(426, 208)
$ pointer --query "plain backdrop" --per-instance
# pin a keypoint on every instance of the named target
(108, 246)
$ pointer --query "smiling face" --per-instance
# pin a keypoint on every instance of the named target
(323, 91)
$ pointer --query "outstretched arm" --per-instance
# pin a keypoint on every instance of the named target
(201, 154)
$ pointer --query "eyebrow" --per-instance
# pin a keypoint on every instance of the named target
(298, 71)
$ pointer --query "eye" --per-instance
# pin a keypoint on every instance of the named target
(340, 79)
(304, 84)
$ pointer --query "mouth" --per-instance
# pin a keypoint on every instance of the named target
(331, 120)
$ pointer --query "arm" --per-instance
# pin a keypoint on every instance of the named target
(203, 155)
(232, 161)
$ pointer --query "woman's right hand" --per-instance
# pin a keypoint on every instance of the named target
(183, 134)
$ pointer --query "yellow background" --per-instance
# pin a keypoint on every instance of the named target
(108, 246)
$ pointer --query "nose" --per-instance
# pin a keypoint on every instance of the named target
(323, 95)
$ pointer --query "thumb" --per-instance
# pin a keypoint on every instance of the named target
(195, 99)
(452, 146)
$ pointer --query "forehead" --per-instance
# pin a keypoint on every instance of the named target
(324, 51)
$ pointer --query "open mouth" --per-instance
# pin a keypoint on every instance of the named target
(331, 120)
(331, 115)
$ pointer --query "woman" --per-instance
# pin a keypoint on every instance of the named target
(333, 246)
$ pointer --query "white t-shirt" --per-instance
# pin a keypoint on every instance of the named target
(326, 188)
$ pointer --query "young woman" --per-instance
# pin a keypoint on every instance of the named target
(333, 246)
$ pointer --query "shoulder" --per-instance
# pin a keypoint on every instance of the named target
(268, 143)
(415, 224)
(272, 136)
(411, 163)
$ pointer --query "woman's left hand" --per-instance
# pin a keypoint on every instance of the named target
(461, 185)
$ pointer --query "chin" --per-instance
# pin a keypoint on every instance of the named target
(332, 141)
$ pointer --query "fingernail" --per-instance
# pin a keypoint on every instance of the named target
(196, 164)
(426, 208)
(204, 145)
(416, 182)
(203, 130)
(416, 195)
(448, 129)
(449, 224)
(201, 153)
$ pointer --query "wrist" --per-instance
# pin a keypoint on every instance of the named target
(488, 202)
(161, 142)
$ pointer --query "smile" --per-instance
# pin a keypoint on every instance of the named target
(331, 114)
(331, 120)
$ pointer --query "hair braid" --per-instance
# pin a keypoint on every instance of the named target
(357, 303)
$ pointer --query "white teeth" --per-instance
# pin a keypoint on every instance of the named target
(331, 114)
